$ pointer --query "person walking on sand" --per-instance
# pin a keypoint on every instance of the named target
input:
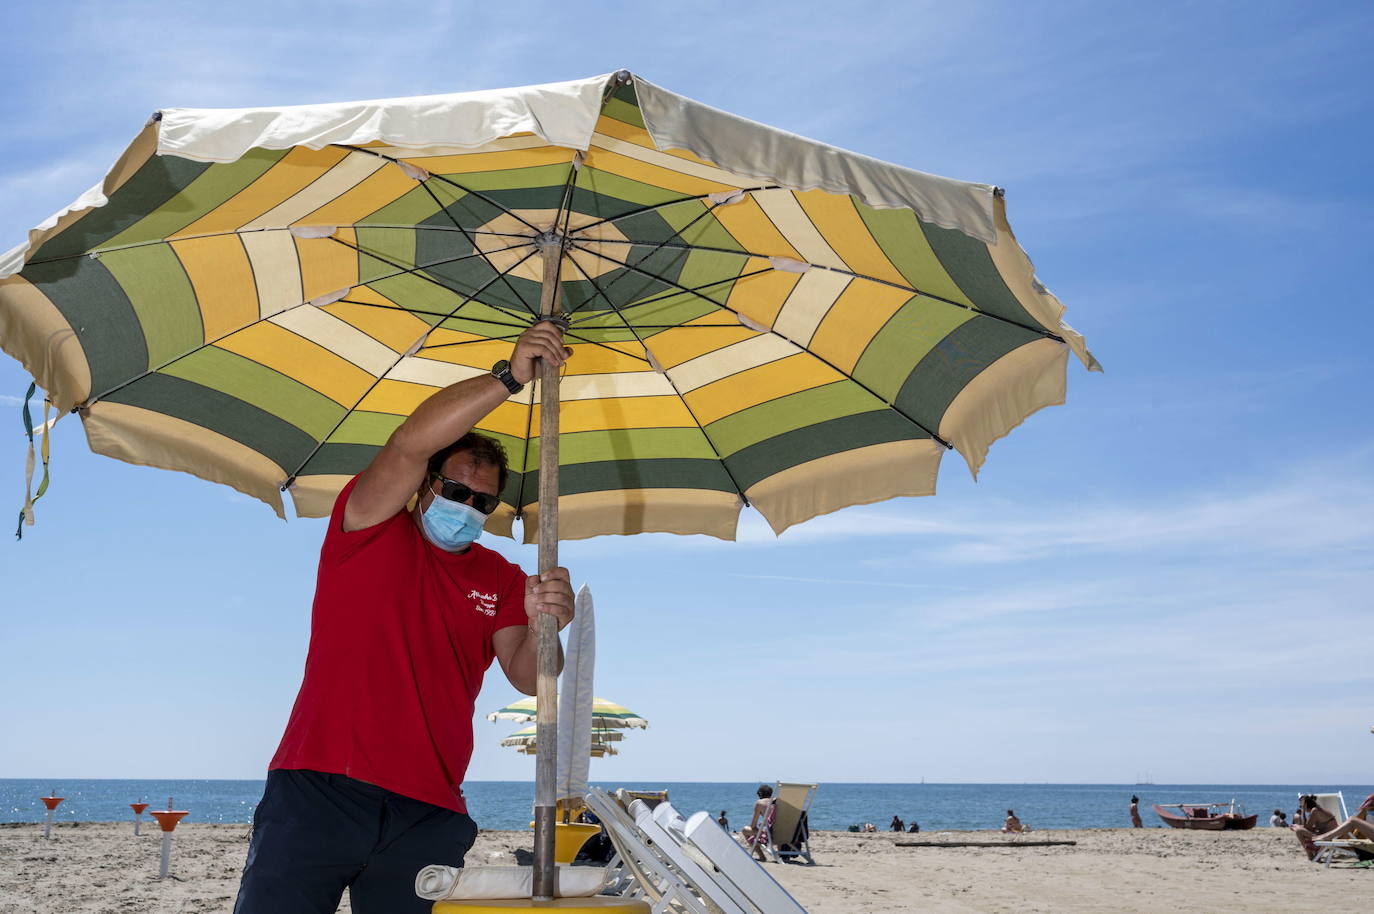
(366, 786)
(1135, 813)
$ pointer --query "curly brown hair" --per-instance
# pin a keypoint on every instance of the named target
(483, 449)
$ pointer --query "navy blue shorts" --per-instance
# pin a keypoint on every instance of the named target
(316, 834)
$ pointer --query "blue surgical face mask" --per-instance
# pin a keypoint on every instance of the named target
(451, 525)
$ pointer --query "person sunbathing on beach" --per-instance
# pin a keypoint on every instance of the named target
(1012, 825)
(756, 822)
(409, 612)
(1320, 825)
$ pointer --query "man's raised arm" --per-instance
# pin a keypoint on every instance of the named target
(399, 468)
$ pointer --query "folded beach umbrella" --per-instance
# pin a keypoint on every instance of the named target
(261, 296)
(605, 714)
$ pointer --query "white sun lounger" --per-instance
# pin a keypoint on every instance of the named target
(650, 875)
(694, 872)
(730, 866)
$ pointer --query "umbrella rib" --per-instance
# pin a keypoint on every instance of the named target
(565, 202)
(96, 252)
(91, 401)
(691, 412)
(467, 190)
(474, 320)
(667, 203)
(667, 295)
(524, 458)
(892, 406)
(415, 270)
(851, 273)
(602, 292)
(400, 358)
(580, 339)
(435, 197)
(484, 339)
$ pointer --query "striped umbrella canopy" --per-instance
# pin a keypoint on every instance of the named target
(260, 297)
(606, 715)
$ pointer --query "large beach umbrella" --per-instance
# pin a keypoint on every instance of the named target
(605, 714)
(260, 296)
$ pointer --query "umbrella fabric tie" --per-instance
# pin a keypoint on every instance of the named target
(30, 497)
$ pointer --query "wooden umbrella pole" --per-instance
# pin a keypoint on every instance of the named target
(546, 720)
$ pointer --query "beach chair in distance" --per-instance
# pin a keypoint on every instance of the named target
(646, 872)
(651, 798)
(1359, 848)
(790, 834)
(1333, 803)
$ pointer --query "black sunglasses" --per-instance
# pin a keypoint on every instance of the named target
(456, 491)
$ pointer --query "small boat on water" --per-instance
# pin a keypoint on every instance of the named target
(1205, 816)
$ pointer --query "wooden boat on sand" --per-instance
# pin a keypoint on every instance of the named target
(1205, 816)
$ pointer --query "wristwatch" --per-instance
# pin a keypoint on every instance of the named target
(501, 372)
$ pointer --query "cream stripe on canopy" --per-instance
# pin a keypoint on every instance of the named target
(670, 162)
(713, 366)
(782, 208)
(616, 384)
(806, 307)
(276, 270)
(338, 336)
(342, 177)
(433, 373)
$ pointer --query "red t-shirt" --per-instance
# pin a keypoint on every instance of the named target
(400, 636)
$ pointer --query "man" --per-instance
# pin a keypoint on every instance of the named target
(366, 786)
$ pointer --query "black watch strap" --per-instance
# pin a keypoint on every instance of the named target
(501, 372)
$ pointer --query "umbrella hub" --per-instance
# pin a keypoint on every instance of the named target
(551, 239)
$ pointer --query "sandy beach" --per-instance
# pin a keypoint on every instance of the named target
(101, 867)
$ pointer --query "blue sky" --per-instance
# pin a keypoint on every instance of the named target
(1171, 575)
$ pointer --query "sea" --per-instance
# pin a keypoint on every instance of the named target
(502, 805)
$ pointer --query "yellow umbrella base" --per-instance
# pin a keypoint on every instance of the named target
(596, 904)
(568, 838)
